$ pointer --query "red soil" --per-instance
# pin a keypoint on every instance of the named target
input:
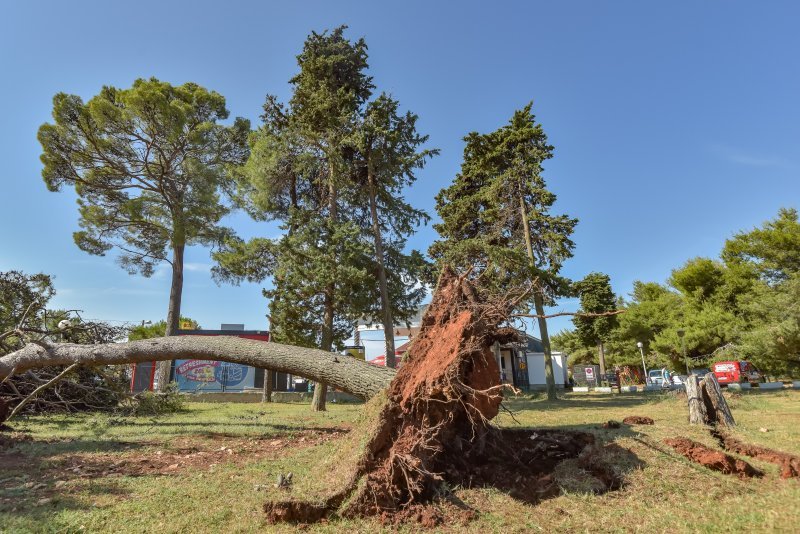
(788, 463)
(638, 420)
(714, 460)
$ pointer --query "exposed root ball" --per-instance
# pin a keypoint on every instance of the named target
(434, 425)
(714, 460)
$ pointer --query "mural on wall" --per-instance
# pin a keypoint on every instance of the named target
(209, 375)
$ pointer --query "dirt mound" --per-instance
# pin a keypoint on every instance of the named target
(788, 463)
(434, 424)
(638, 420)
(714, 460)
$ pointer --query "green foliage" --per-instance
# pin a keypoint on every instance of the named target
(149, 403)
(744, 307)
(773, 342)
(773, 250)
(23, 301)
(699, 278)
(568, 342)
(481, 223)
(158, 329)
(310, 166)
(596, 297)
(148, 164)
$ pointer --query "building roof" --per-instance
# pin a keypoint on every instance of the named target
(532, 344)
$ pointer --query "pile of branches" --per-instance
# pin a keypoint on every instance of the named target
(64, 390)
(60, 389)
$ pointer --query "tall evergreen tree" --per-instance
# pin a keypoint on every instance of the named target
(496, 219)
(388, 155)
(311, 166)
(150, 167)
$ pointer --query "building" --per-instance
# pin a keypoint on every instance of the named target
(521, 364)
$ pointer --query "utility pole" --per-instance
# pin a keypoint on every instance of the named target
(644, 366)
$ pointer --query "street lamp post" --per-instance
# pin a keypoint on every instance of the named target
(644, 366)
(681, 333)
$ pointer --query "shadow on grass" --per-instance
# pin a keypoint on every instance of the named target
(577, 400)
(32, 488)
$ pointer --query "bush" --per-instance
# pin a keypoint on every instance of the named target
(155, 403)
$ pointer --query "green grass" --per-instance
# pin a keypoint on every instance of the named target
(662, 492)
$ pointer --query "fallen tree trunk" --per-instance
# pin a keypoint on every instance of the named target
(349, 374)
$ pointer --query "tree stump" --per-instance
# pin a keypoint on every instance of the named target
(707, 406)
(717, 407)
(697, 406)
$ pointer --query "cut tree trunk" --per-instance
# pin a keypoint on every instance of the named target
(697, 406)
(707, 406)
(717, 408)
(349, 374)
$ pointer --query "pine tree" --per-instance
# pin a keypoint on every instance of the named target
(388, 155)
(150, 167)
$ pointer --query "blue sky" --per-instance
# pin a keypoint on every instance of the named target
(675, 124)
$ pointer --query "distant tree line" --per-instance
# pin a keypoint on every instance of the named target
(743, 305)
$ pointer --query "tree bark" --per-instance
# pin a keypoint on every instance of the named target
(348, 374)
(321, 388)
(173, 311)
(718, 411)
(697, 405)
(602, 352)
(707, 406)
(266, 395)
(549, 375)
(386, 305)
(538, 302)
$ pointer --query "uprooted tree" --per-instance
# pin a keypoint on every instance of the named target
(425, 425)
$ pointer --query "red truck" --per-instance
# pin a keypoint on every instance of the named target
(733, 372)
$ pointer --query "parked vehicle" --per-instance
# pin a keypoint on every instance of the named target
(660, 377)
(734, 372)
(679, 380)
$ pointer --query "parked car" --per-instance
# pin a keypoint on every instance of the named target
(660, 377)
(679, 380)
(734, 372)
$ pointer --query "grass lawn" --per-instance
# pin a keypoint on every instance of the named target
(210, 468)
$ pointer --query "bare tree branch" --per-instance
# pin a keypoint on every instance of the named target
(36, 391)
(573, 314)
